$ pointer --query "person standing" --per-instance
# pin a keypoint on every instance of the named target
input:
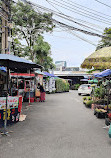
(42, 92)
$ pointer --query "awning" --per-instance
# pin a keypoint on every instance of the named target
(22, 75)
(48, 74)
(14, 62)
(39, 72)
(103, 73)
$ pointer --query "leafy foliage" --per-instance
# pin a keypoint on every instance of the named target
(99, 91)
(105, 42)
(75, 86)
(84, 98)
(88, 103)
(29, 25)
(62, 85)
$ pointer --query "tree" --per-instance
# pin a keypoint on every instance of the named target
(42, 52)
(30, 24)
(106, 41)
(17, 48)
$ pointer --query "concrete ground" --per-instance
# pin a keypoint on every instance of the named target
(61, 127)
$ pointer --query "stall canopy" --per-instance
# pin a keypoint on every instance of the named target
(13, 62)
(39, 72)
(103, 73)
(48, 74)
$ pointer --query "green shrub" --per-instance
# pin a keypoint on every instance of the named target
(97, 110)
(62, 85)
(84, 102)
(77, 86)
(89, 98)
(84, 98)
(100, 101)
(99, 91)
(88, 103)
(102, 91)
(109, 106)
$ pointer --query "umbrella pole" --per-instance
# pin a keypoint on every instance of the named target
(5, 121)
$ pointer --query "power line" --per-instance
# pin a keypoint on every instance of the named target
(80, 12)
(70, 19)
(90, 9)
(103, 3)
(77, 29)
(82, 7)
(74, 28)
(59, 13)
(82, 38)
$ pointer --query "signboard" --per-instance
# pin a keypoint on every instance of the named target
(12, 103)
(39, 79)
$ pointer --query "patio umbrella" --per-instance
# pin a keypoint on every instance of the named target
(14, 63)
(100, 59)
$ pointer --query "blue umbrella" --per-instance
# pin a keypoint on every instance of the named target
(3, 69)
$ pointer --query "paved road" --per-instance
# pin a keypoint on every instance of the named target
(59, 128)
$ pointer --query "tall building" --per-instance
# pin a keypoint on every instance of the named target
(60, 65)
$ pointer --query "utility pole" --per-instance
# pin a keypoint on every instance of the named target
(5, 18)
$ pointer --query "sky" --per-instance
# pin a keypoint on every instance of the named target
(65, 45)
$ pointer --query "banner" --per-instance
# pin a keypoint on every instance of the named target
(11, 104)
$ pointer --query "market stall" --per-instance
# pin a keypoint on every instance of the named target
(25, 82)
(105, 110)
(16, 64)
(49, 82)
